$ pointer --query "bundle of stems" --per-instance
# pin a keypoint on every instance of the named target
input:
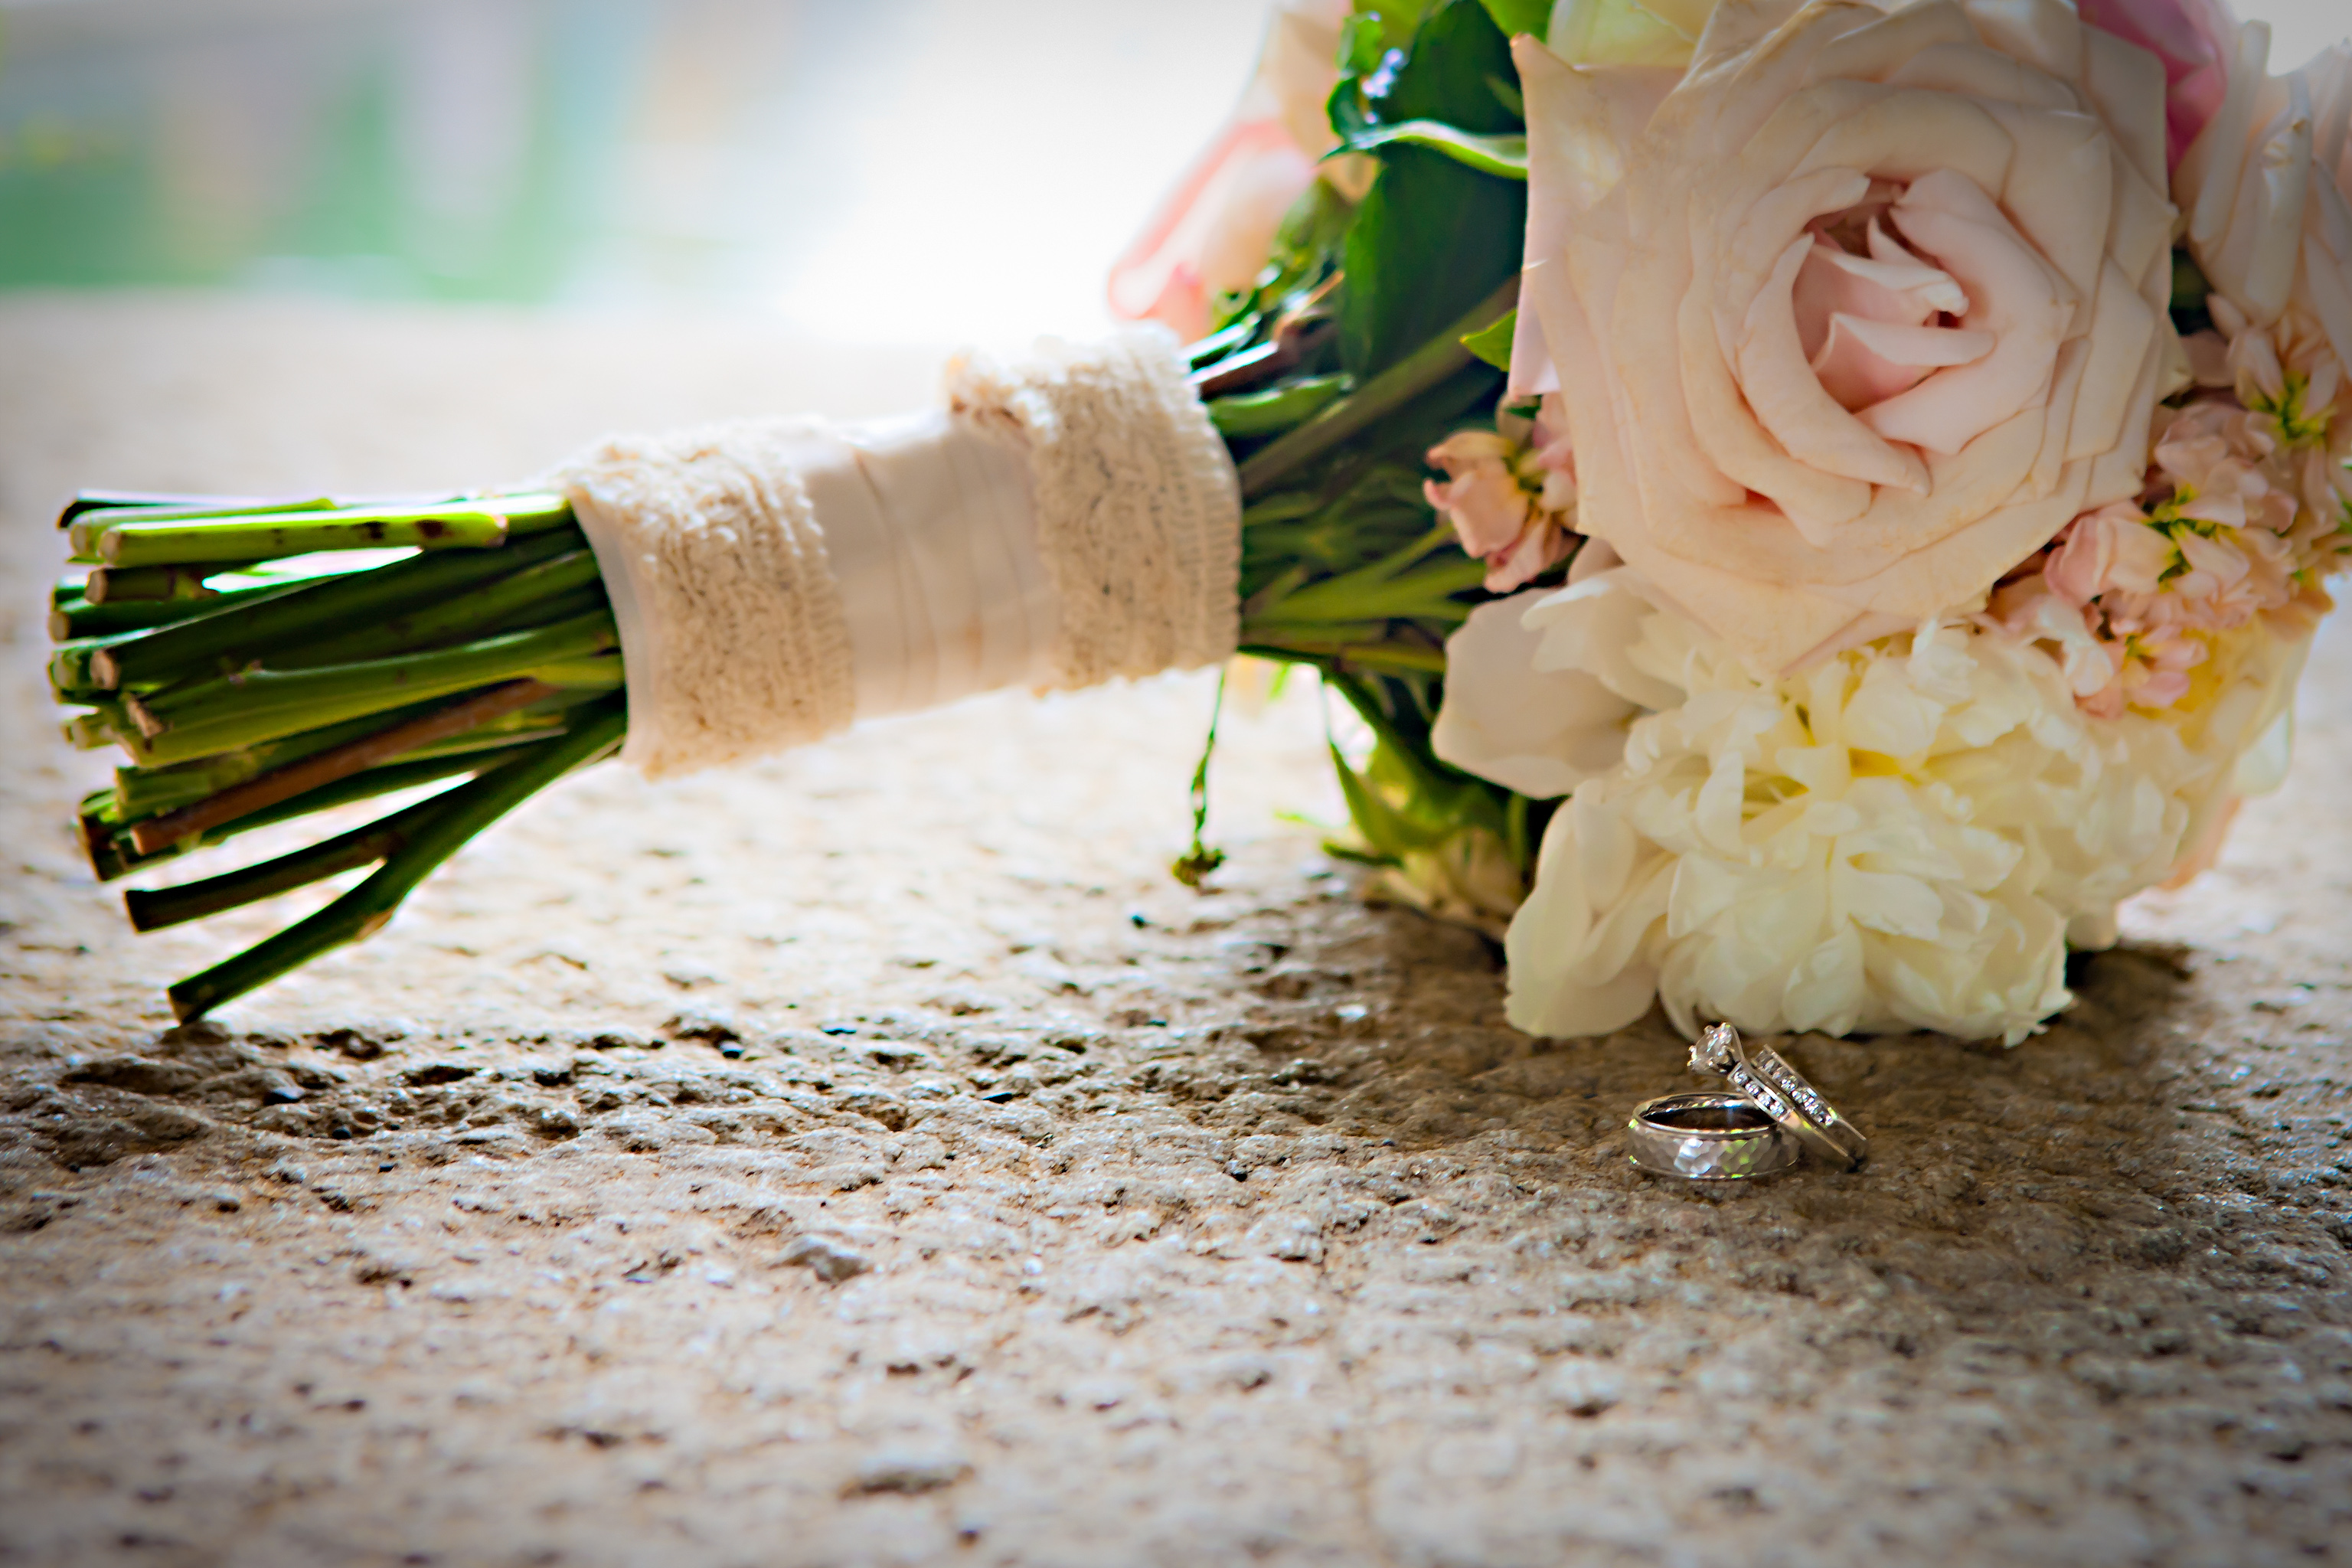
(262, 660)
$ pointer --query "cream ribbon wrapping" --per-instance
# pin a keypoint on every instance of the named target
(1064, 519)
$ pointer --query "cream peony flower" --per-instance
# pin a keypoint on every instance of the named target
(1905, 836)
(1541, 729)
(1858, 315)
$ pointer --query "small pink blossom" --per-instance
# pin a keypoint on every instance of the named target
(2155, 672)
(1480, 493)
(2032, 609)
(1509, 493)
(2112, 549)
(2107, 667)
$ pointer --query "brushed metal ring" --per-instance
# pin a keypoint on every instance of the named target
(1709, 1136)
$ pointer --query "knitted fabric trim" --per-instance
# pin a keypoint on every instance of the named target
(1139, 509)
(730, 619)
(736, 631)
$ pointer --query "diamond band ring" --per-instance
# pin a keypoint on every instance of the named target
(1712, 1136)
(1764, 1077)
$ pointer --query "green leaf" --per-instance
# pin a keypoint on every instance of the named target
(1367, 595)
(1517, 16)
(1434, 236)
(1493, 344)
(1387, 830)
(1393, 21)
(1505, 156)
(1362, 42)
(1444, 73)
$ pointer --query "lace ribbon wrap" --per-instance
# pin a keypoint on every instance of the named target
(1064, 519)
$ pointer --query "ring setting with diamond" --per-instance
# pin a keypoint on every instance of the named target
(1766, 1093)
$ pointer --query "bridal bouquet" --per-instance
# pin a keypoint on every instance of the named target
(1817, 503)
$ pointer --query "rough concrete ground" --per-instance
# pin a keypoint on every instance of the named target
(873, 1157)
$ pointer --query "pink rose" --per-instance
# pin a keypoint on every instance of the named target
(2192, 37)
(2267, 193)
(1860, 312)
(1212, 233)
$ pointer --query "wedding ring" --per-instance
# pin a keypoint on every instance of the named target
(1781, 1092)
(1707, 1136)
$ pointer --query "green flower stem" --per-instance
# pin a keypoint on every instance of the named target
(460, 618)
(1385, 588)
(112, 855)
(580, 601)
(137, 538)
(102, 726)
(77, 618)
(100, 511)
(335, 763)
(264, 539)
(152, 910)
(1275, 410)
(71, 679)
(1377, 398)
(515, 730)
(240, 710)
(122, 586)
(93, 617)
(295, 614)
(603, 673)
(111, 584)
(1400, 657)
(358, 913)
(1322, 636)
(141, 793)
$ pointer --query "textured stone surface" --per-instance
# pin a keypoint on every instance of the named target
(872, 1157)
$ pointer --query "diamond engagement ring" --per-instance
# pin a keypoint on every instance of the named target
(1707, 1136)
(1764, 1077)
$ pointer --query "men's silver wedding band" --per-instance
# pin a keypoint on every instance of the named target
(1712, 1136)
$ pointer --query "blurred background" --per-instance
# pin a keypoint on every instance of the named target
(887, 170)
(881, 171)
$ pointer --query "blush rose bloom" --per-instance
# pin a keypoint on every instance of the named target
(2267, 194)
(1213, 232)
(1855, 314)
